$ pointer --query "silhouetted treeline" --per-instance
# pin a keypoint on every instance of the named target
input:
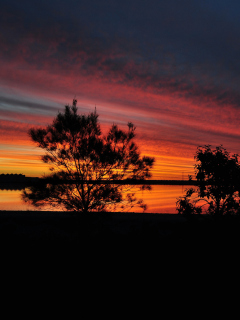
(147, 182)
(20, 182)
(12, 177)
(16, 181)
(166, 182)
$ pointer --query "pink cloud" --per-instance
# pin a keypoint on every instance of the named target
(173, 113)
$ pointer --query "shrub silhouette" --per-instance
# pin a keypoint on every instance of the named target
(87, 167)
(218, 175)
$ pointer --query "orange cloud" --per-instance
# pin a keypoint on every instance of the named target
(173, 113)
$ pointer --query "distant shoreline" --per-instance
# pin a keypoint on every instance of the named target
(20, 182)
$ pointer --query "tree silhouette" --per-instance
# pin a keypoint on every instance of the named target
(87, 168)
(218, 176)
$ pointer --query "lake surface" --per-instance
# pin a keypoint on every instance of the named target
(161, 199)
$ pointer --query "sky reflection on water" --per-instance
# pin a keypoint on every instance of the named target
(161, 199)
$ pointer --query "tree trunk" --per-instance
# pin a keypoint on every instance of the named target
(218, 207)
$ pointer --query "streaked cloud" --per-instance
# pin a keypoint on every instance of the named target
(171, 67)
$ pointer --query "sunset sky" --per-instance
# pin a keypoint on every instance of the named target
(171, 67)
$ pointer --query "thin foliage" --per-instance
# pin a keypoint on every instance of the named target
(86, 166)
(218, 175)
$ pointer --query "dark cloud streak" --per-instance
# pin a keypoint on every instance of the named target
(165, 47)
(31, 106)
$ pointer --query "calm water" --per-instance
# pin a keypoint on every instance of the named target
(161, 199)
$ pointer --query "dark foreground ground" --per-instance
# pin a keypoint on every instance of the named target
(128, 254)
(68, 231)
